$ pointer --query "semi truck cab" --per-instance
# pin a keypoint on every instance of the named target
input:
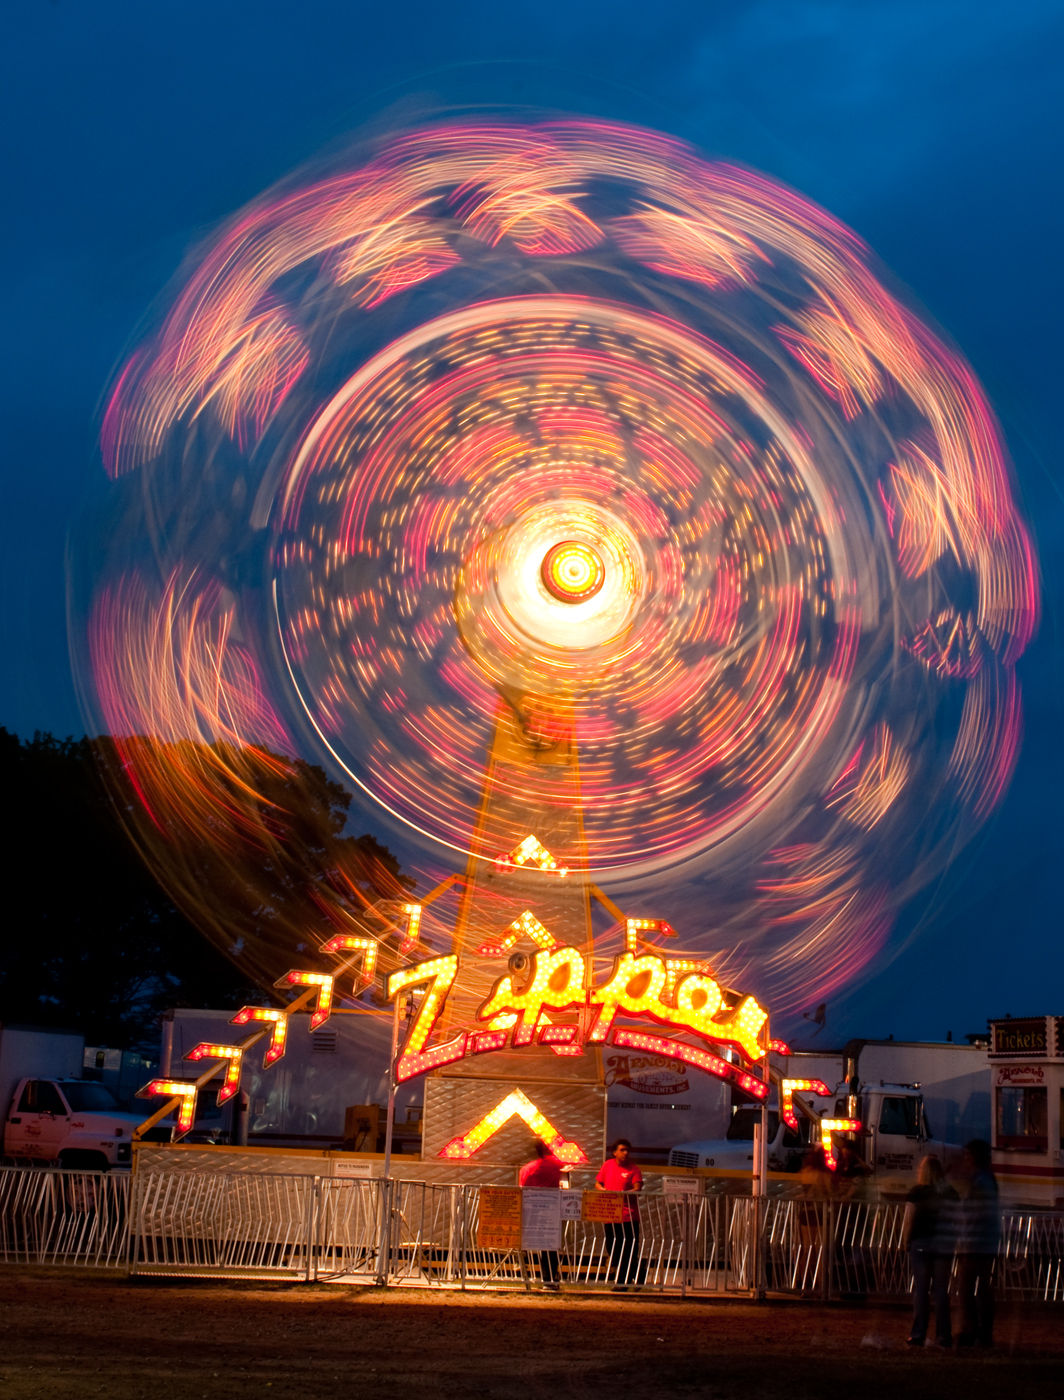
(74, 1122)
(894, 1139)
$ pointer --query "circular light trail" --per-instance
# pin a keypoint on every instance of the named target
(565, 421)
(572, 572)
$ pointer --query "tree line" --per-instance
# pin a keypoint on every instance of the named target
(93, 941)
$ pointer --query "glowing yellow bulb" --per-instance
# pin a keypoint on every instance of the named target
(572, 572)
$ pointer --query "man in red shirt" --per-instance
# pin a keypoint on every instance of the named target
(622, 1240)
(544, 1172)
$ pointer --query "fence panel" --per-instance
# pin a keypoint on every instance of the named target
(350, 1218)
(1031, 1259)
(61, 1217)
(269, 1225)
(223, 1223)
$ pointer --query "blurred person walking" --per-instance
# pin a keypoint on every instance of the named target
(852, 1174)
(980, 1238)
(617, 1174)
(930, 1236)
(544, 1173)
(817, 1182)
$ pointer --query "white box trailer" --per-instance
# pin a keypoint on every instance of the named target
(302, 1099)
(32, 1052)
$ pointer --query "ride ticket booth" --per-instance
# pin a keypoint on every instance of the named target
(1027, 1087)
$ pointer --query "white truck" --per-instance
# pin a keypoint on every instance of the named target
(895, 1113)
(54, 1117)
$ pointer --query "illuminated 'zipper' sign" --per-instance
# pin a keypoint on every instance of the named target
(640, 985)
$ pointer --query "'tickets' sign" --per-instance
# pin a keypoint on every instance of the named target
(1020, 1037)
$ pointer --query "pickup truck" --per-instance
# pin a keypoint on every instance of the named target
(75, 1122)
(895, 1137)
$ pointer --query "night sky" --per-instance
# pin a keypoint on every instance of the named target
(932, 128)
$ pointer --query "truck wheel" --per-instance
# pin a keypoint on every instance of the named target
(83, 1162)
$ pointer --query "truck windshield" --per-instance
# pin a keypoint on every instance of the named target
(90, 1098)
(741, 1127)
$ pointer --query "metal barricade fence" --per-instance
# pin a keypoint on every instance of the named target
(223, 1223)
(1031, 1258)
(61, 1217)
(236, 1224)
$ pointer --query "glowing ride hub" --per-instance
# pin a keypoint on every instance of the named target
(572, 572)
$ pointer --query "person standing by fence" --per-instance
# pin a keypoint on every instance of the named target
(622, 1239)
(930, 1237)
(979, 1242)
(544, 1173)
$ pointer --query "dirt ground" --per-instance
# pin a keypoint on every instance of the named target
(69, 1334)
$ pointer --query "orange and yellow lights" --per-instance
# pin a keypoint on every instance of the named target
(788, 1089)
(677, 968)
(780, 1047)
(690, 1055)
(269, 1014)
(634, 928)
(233, 1054)
(637, 988)
(182, 1089)
(741, 1027)
(531, 852)
(413, 928)
(324, 983)
(353, 943)
(415, 1059)
(556, 982)
(572, 572)
(517, 1104)
(526, 925)
(835, 1125)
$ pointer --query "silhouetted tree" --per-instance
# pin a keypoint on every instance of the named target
(93, 942)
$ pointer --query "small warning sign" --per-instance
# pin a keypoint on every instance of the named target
(607, 1207)
(499, 1221)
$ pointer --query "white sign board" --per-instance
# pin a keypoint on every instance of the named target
(352, 1169)
(682, 1185)
(541, 1220)
(571, 1203)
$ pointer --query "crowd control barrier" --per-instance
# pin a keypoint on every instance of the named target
(244, 1225)
(59, 1217)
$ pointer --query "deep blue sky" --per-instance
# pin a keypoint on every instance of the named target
(933, 127)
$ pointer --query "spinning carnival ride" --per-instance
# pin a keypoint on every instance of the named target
(583, 505)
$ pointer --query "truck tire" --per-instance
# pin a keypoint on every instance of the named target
(84, 1162)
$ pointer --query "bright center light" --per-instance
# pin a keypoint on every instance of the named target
(572, 572)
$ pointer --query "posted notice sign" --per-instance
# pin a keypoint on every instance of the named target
(571, 1203)
(541, 1219)
(604, 1206)
(499, 1221)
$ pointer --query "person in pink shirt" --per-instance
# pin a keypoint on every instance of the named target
(544, 1173)
(618, 1174)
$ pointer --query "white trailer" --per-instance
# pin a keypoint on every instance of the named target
(30, 1052)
